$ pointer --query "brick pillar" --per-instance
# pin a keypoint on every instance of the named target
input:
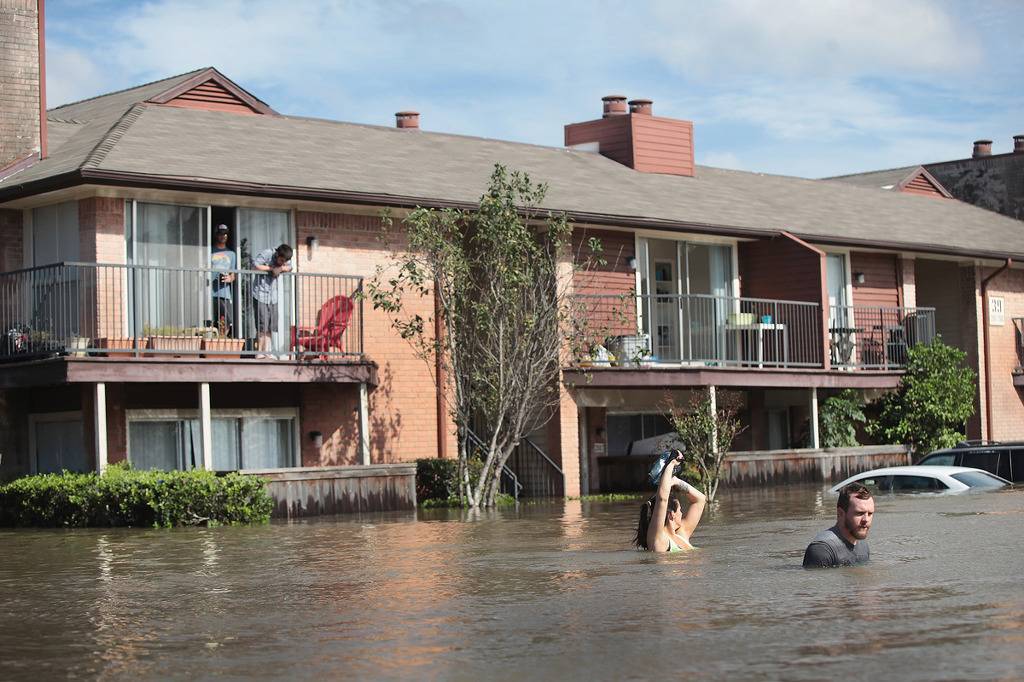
(564, 440)
(971, 323)
(21, 72)
(908, 282)
(102, 240)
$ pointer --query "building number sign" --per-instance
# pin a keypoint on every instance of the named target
(995, 311)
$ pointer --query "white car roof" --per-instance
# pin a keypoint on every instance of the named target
(929, 470)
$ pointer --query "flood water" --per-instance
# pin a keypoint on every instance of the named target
(546, 591)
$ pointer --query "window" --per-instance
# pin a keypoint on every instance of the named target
(637, 434)
(979, 479)
(55, 233)
(877, 484)
(58, 443)
(943, 459)
(250, 439)
(917, 483)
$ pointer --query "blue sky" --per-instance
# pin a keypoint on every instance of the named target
(798, 87)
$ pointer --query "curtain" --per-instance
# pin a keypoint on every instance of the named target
(154, 444)
(173, 237)
(260, 229)
(59, 446)
(226, 445)
(266, 443)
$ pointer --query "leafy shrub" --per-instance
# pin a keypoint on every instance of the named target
(125, 497)
(437, 481)
(838, 419)
(935, 397)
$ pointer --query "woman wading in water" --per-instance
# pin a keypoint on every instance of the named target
(662, 526)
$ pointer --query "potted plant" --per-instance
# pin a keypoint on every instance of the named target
(216, 339)
(77, 345)
(173, 341)
(116, 346)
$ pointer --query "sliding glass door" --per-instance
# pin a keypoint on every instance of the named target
(169, 298)
(258, 230)
(684, 298)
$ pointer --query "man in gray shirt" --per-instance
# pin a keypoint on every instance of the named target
(845, 543)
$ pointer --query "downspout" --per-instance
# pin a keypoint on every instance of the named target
(985, 346)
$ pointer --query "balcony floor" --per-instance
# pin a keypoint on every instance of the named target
(75, 370)
(740, 377)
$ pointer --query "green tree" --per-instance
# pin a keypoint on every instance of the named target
(706, 427)
(501, 276)
(935, 398)
(838, 419)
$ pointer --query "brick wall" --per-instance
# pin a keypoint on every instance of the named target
(101, 240)
(20, 76)
(12, 239)
(403, 406)
(614, 282)
(971, 338)
(938, 286)
(1007, 400)
(333, 410)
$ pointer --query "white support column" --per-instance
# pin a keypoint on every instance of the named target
(713, 395)
(364, 425)
(99, 405)
(815, 439)
(205, 427)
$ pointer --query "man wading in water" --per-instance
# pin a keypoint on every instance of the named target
(844, 544)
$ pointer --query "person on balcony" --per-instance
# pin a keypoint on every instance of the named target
(224, 261)
(663, 527)
(265, 293)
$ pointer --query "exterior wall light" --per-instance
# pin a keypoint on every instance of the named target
(317, 438)
(312, 242)
(631, 263)
(859, 277)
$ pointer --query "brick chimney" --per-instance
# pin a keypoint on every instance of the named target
(22, 79)
(982, 148)
(407, 119)
(635, 137)
(1018, 144)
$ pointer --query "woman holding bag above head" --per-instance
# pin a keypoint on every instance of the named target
(663, 527)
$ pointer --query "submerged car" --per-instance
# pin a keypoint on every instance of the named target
(1005, 460)
(925, 479)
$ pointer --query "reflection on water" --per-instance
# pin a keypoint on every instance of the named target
(547, 590)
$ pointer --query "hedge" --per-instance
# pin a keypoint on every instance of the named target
(437, 480)
(122, 496)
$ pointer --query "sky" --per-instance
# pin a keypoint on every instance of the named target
(810, 88)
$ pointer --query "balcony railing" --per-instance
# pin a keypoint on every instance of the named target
(730, 331)
(153, 311)
(870, 337)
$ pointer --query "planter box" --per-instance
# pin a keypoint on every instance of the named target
(223, 348)
(181, 345)
(119, 346)
(77, 345)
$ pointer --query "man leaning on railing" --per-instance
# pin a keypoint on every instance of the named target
(265, 293)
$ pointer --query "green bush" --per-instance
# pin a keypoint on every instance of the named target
(437, 481)
(838, 419)
(935, 398)
(126, 497)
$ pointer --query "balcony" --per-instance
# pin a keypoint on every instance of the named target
(138, 311)
(699, 330)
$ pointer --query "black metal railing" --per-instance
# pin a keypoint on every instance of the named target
(154, 311)
(876, 337)
(698, 329)
(538, 473)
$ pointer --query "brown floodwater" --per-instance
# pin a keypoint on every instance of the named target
(545, 591)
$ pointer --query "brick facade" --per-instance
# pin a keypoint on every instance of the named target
(403, 406)
(12, 240)
(1004, 356)
(20, 75)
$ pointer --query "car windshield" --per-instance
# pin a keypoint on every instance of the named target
(979, 479)
(942, 459)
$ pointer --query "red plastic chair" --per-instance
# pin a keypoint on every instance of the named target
(331, 323)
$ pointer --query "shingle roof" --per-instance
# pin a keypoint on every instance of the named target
(312, 154)
(880, 179)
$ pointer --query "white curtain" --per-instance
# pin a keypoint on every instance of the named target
(260, 229)
(226, 446)
(171, 237)
(267, 443)
(154, 444)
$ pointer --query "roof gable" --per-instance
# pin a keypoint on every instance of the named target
(920, 181)
(212, 91)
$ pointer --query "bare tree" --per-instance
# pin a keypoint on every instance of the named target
(502, 276)
(707, 427)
